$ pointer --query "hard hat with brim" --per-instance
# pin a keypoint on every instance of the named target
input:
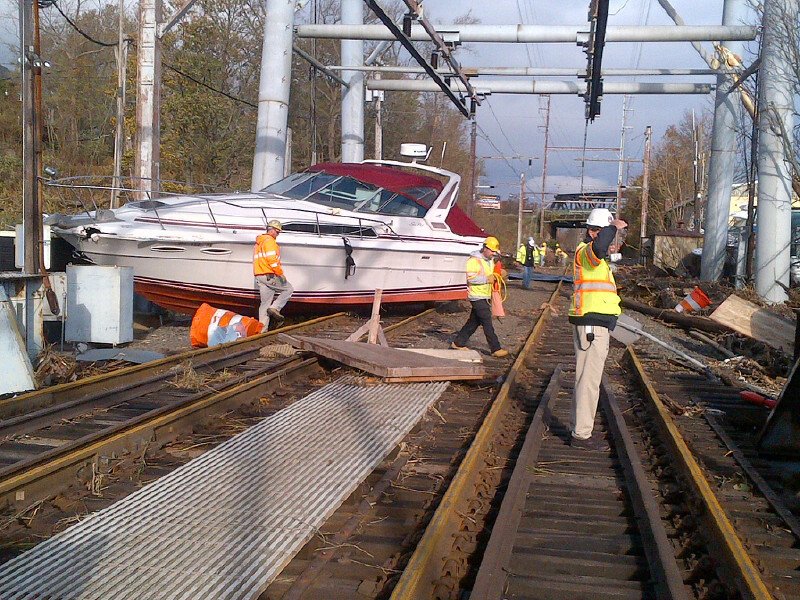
(599, 217)
(275, 224)
(492, 243)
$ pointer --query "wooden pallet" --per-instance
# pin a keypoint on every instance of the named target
(392, 364)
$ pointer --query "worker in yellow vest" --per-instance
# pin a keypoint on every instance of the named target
(542, 253)
(560, 255)
(480, 277)
(527, 257)
(593, 313)
(270, 278)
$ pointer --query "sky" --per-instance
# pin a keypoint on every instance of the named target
(512, 124)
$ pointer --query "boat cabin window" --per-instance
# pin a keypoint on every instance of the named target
(145, 204)
(347, 193)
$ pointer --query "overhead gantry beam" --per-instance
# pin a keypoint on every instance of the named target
(526, 34)
(530, 71)
(505, 86)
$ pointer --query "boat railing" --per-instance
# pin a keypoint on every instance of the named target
(91, 192)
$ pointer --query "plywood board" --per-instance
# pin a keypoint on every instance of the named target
(390, 363)
(755, 322)
(470, 356)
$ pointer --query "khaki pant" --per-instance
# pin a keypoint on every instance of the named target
(268, 287)
(590, 361)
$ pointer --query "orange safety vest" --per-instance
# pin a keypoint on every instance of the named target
(267, 256)
(594, 288)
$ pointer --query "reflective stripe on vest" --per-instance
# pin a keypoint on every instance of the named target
(594, 289)
(478, 271)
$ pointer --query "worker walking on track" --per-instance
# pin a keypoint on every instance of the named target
(593, 313)
(269, 275)
(527, 256)
(480, 277)
(542, 253)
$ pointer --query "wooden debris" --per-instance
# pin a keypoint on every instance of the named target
(470, 356)
(755, 322)
(392, 364)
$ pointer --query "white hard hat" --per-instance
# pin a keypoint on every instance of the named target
(599, 217)
(531, 241)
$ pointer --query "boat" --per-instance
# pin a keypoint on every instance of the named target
(348, 229)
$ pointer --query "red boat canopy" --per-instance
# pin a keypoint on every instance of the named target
(399, 181)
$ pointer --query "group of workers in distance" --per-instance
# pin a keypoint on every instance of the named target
(593, 311)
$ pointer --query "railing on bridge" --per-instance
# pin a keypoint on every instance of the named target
(578, 206)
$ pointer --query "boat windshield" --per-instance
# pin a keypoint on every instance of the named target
(348, 193)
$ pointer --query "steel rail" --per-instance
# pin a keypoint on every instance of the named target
(121, 379)
(491, 577)
(667, 578)
(417, 574)
(26, 473)
(741, 567)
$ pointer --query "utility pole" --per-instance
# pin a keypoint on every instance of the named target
(620, 172)
(473, 161)
(695, 175)
(148, 100)
(544, 167)
(378, 95)
(31, 211)
(648, 141)
(353, 94)
(121, 52)
(520, 209)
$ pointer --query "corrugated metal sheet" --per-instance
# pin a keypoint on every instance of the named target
(225, 524)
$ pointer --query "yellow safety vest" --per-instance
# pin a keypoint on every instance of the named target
(478, 271)
(521, 254)
(594, 289)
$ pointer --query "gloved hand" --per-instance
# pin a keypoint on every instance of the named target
(504, 274)
(492, 278)
(282, 279)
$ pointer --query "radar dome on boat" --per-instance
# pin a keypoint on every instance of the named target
(414, 151)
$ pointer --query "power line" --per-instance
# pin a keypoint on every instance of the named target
(78, 29)
(208, 87)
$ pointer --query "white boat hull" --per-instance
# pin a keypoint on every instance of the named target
(182, 275)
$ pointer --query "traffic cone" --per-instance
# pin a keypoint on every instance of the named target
(694, 300)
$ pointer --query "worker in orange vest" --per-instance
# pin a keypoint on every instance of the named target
(269, 275)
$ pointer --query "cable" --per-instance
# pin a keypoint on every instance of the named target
(208, 87)
(510, 145)
(78, 29)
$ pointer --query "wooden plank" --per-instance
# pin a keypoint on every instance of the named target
(375, 319)
(755, 322)
(388, 362)
(471, 356)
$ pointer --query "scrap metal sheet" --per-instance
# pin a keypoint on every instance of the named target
(225, 524)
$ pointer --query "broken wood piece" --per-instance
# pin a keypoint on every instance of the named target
(670, 316)
(755, 322)
(392, 364)
(372, 327)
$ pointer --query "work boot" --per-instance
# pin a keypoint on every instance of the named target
(500, 353)
(593, 444)
(275, 316)
(455, 346)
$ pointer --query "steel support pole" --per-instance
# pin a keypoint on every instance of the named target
(148, 100)
(727, 110)
(473, 162)
(353, 94)
(520, 209)
(775, 114)
(31, 231)
(121, 53)
(273, 93)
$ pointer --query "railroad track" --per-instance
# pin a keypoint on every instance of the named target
(714, 432)
(50, 437)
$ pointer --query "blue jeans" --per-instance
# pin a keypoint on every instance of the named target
(527, 273)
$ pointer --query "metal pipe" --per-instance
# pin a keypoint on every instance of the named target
(273, 93)
(727, 112)
(531, 33)
(506, 86)
(529, 71)
(353, 95)
(775, 119)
